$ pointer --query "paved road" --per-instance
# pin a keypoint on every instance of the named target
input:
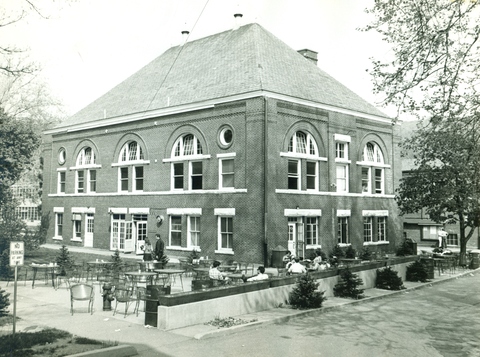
(439, 320)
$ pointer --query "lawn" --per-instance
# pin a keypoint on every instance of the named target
(46, 342)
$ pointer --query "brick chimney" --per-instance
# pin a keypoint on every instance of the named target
(310, 55)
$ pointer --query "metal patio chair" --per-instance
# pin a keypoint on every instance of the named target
(82, 292)
(123, 296)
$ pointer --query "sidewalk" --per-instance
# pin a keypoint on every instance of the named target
(45, 306)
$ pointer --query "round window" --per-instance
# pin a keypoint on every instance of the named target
(226, 136)
(61, 156)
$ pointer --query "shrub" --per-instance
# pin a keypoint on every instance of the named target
(5, 264)
(388, 279)
(64, 260)
(417, 271)
(350, 252)
(117, 262)
(4, 302)
(366, 254)
(305, 295)
(347, 287)
(192, 256)
(338, 252)
(404, 249)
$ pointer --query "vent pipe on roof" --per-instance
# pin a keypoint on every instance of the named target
(238, 21)
(310, 55)
(185, 37)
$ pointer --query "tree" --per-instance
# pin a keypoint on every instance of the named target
(433, 75)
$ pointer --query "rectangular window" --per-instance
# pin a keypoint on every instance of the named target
(366, 180)
(59, 225)
(138, 178)
(196, 175)
(176, 231)
(178, 176)
(61, 181)
(80, 181)
(293, 174)
(452, 239)
(90, 222)
(123, 178)
(77, 229)
(382, 229)
(342, 232)
(226, 233)
(341, 151)
(312, 175)
(227, 173)
(311, 230)
(342, 178)
(92, 177)
(378, 181)
(194, 232)
(367, 229)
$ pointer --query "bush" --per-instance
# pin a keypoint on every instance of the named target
(192, 256)
(417, 271)
(347, 287)
(338, 252)
(388, 279)
(5, 264)
(64, 260)
(350, 252)
(404, 249)
(4, 302)
(117, 263)
(305, 295)
(366, 254)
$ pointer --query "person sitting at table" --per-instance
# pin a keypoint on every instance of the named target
(260, 275)
(287, 257)
(297, 268)
(215, 274)
(147, 251)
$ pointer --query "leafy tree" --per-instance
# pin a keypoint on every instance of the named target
(433, 75)
(64, 260)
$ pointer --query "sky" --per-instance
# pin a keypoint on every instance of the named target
(86, 47)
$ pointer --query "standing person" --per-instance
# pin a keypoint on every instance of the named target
(442, 238)
(147, 251)
(159, 247)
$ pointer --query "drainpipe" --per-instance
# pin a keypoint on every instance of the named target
(265, 183)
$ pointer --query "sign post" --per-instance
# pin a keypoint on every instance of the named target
(16, 259)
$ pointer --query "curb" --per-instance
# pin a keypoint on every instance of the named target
(116, 351)
(300, 313)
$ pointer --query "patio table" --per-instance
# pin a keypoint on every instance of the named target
(171, 273)
(97, 267)
(47, 269)
(138, 275)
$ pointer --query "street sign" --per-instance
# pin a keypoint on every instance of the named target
(16, 253)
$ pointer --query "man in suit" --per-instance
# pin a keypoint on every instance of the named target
(159, 247)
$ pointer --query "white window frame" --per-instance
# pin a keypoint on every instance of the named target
(77, 229)
(173, 188)
(347, 233)
(171, 230)
(344, 179)
(224, 213)
(380, 224)
(193, 230)
(378, 163)
(121, 179)
(298, 175)
(191, 175)
(59, 235)
(309, 224)
(135, 178)
(367, 229)
(315, 176)
(222, 173)
(60, 181)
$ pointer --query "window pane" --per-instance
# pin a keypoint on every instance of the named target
(341, 178)
(93, 180)
(301, 143)
(80, 181)
(197, 178)
(188, 145)
(178, 176)
(176, 231)
(139, 178)
(382, 228)
(227, 173)
(378, 180)
(365, 179)
(124, 178)
(367, 229)
(311, 175)
(293, 174)
(62, 182)
(226, 231)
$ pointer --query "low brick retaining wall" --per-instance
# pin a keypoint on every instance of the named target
(186, 309)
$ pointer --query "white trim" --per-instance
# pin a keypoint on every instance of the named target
(76, 240)
(337, 194)
(373, 164)
(61, 169)
(344, 213)
(380, 242)
(208, 105)
(294, 155)
(187, 158)
(131, 163)
(374, 213)
(224, 211)
(57, 238)
(342, 138)
(83, 209)
(342, 161)
(227, 155)
(184, 211)
(58, 209)
(302, 212)
(144, 210)
(118, 210)
(150, 193)
(224, 251)
(85, 167)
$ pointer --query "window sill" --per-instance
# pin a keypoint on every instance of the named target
(57, 238)
(225, 251)
(343, 245)
(313, 246)
(79, 240)
(185, 249)
(383, 242)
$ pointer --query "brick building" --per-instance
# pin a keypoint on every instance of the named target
(239, 143)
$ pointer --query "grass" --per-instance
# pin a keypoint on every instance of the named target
(47, 342)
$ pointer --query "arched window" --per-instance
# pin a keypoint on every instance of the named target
(304, 145)
(373, 169)
(86, 173)
(187, 147)
(132, 173)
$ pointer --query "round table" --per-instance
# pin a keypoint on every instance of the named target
(170, 273)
